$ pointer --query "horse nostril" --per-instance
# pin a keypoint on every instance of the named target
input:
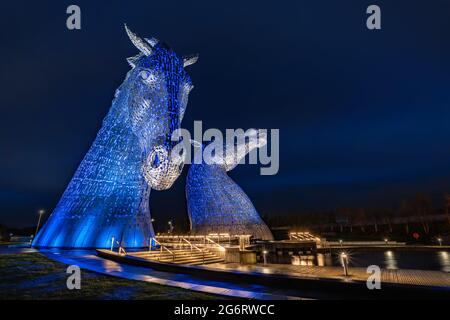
(155, 161)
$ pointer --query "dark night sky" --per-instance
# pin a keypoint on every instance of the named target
(363, 116)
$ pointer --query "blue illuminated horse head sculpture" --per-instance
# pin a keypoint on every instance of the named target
(107, 200)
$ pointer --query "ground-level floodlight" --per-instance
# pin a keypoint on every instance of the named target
(344, 260)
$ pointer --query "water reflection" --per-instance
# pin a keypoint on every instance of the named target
(444, 258)
(111, 266)
(389, 260)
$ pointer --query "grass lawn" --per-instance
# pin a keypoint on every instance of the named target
(33, 276)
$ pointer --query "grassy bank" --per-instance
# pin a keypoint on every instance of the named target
(33, 276)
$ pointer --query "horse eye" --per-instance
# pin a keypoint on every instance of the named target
(144, 74)
(155, 162)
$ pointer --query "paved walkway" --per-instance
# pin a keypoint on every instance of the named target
(398, 276)
(90, 261)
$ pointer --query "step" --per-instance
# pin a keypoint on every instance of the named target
(193, 262)
(146, 253)
(186, 260)
(187, 257)
(181, 258)
(168, 254)
(206, 262)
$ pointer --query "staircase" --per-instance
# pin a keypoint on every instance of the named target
(179, 256)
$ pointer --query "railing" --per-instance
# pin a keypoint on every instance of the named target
(363, 243)
(161, 248)
(199, 239)
(197, 248)
(303, 236)
(188, 242)
(216, 244)
(121, 249)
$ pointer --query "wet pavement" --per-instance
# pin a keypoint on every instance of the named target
(87, 259)
(394, 276)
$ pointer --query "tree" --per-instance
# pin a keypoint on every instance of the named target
(422, 208)
(388, 215)
(360, 218)
(405, 211)
(447, 207)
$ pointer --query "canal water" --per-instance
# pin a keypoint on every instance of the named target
(389, 259)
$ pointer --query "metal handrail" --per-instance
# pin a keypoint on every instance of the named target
(165, 248)
(193, 245)
(215, 243)
(188, 242)
(121, 249)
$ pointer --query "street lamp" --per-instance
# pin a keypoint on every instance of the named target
(386, 241)
(41, 212)
(344, 260)
(340, 242)
(265, 256)
(440, 241)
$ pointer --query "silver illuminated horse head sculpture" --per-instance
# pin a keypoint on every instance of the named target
(216, 204)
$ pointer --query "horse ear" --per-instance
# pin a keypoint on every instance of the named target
(143, 45)
(132, 61)
(191, 59)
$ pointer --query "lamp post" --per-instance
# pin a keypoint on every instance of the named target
(340, 242)
(265, 256)
(41, 212)
(440, 241)
(386, 241)
(344, 259)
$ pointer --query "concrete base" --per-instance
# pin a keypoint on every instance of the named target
(247, 257)
(233, 254)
